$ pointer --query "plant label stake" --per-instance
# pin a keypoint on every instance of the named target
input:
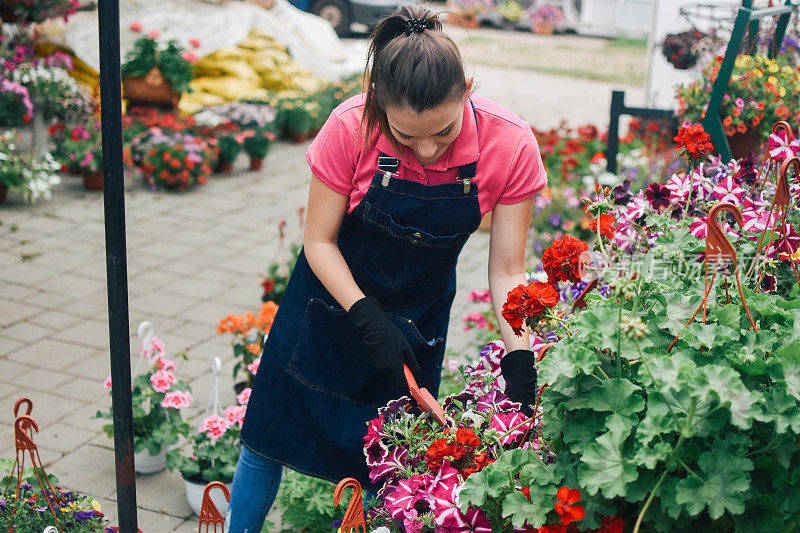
(780, 204)
(354, 514)
(209, 514)
(145, 332)
(770, 163)
(24, 427)
(718, 250)
(424, 398)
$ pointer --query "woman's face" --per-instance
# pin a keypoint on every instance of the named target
(429, 133)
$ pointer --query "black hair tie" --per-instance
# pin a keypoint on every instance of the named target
(416, 25)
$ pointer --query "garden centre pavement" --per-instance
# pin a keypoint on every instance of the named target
(193, 258)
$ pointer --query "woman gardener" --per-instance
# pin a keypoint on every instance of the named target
(401, 177)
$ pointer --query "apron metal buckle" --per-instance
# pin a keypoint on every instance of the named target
(466, 185)
(386, 177)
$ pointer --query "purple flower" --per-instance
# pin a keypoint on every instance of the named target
(496, 401)
(622, 193)
(555, 220)
(393, 464)
(394, 408)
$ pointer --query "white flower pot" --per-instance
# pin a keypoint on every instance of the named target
(150, 464)
(194, 495)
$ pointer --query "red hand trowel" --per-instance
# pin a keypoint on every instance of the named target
(424, 399)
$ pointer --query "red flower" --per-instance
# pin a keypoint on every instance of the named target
(694, 140)
(466, 437)
(268, 286)
(527, 492)
(607, 227)
(529, 301)
(482, 460)
(439, 450)
(562, 259)
(566, 499)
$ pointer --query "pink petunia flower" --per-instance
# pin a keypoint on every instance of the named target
(781, 148)
(214, 426)
(504, 422)
(729, 190)
(177, 400)
(253, 367)
(136, 26)
(244, 396)
(475, 320)
(235, 414)
(162, 380)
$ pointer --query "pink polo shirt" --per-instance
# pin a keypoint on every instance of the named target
(510, 168)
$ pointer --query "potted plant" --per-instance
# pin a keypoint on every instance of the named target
(299, 117)
(761, 91)
(31, 175)
(510, 12)
(158, 397)
(11, 165)
(172, 160)
(546, 19)
(230, 144)
(154, 73)
(466, 12)
(76, 512)
(212, 453)
(249, 332)
(257, 143)
(37, 10)
(16, 107)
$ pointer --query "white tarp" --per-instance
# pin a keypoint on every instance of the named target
(309, 39)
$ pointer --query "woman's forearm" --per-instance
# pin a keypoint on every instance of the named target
(329, 266)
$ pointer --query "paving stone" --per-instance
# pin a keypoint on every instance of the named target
(26, 332)
(49, 300)
(162, 493)
(47, 408)
(84, 390)
(51, 354)
(25, 273)
(161, 304)
(9, 370)
(54, 320)
(93, 305)
(41, 380)
(73, 285)
(92, 333)
(84, 418)
(62, 439)
(88, 468)
(18, 292)
(193, 287)
(7, 346)
(11, 312)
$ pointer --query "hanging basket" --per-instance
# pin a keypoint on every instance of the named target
(152, 89)
(743, 144)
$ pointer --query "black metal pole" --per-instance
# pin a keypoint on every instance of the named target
(116, 262)
(617, 105)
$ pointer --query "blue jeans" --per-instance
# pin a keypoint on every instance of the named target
(255, 485)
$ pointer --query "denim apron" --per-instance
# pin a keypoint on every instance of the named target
(316, 387)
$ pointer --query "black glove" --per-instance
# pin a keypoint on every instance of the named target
(388, 347)
(520, 375)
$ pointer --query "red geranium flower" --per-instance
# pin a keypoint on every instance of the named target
(566, 499)
(562, 259)
(529, 301)
(694, 140)
(607, 227)
(612, 524)
(439, 450)
(466, 437)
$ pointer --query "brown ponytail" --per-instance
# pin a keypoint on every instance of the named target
(411, 63)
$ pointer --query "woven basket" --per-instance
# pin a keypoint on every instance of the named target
(152, 89)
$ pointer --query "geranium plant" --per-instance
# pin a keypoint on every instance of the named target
(16, 107)
(172, 60)
(158, 397)
(761, 90)
(546, 15)
(249, 332)
(257, 142)
(213, 447)
(53, 91)
(172, 160)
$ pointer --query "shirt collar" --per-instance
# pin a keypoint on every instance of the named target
(463, 150)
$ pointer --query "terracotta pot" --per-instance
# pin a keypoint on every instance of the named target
(93, 181)
(298, 137)
(152, 89)
(544, 28)
(743, 144)
(3, 193)
(256, 163)
(225, 167)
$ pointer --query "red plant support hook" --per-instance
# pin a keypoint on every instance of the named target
(24, 428)
(580, 301)
(770, 163)
(28, 406)
(780, 204)
(718, 248)
(209, 514)
(354, 514)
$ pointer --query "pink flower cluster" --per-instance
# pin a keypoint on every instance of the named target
(162, 380)
(253, 367)
(214, 426)
(177, 400)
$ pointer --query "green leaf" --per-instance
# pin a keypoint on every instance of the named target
(728, 315)
(789, 350)
(483, 485)
(657, 421)
(791, 376)
(538, 473)
(616, 395)
(783, 410)
(517, 507)
(605, 466)
(720, 485)
(649, 457)
(568, 360)
(725, 383)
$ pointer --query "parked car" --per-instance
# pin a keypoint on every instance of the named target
(343, 13)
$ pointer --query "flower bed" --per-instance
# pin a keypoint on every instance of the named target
(172, 160)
